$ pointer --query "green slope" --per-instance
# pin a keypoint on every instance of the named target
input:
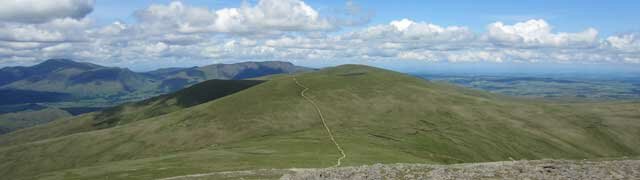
(126, 113)
(17, 120)
(378, 116)
(67, 84)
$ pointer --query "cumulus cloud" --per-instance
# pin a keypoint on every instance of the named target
(57, 30)
(293, 30)
(625, 42)
(538, 33)
(408, 30)
(176, 16)
(530, 41)
(38, 11)
(283, 15)
(32, 29)
(267, 16)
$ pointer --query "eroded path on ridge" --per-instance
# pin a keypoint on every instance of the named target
(324, 122)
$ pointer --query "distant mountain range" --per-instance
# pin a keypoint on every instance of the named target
(177, 78)
(74, 88)
(58, 80)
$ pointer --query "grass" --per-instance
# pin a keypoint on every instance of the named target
(378, 116)
(18, 120)
(123, 114)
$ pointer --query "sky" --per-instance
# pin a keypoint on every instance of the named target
(410, 35)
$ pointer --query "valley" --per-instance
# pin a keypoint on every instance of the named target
(552, 87)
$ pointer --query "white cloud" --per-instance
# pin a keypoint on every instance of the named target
(21, 45)
(156, 48)
(539, 33)
(293, 30)
(115, 28)
(178, 17)
(267, 16)
(39, 11)
(277, 15)
(58, 47)
(57, 30)
(408, 34)
(625, 42)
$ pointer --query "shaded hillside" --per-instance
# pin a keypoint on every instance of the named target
(378, 116)
(22, 107)
(18, 120)
(130, 112)
(81, 110)
(191, 96)
(16, 96)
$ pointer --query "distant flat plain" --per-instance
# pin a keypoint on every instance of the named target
(550, 87)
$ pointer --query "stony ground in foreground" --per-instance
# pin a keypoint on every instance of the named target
(538, 169)
(542, 169)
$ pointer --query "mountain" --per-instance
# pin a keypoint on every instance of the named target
(176, 78)
(58, 79)
(243, 70)
(79, 87)
(79, 80)
(375, 115)
(12, 74)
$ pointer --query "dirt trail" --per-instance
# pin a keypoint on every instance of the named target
(324, 123)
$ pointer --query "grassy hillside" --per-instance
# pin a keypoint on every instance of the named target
(378, 116)
(84, 87)
(130, 112)
(18, 120)
(194, 95)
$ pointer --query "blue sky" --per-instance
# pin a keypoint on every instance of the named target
(407, 35)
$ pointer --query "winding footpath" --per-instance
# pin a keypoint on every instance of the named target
(272, 171)
(324, 123)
